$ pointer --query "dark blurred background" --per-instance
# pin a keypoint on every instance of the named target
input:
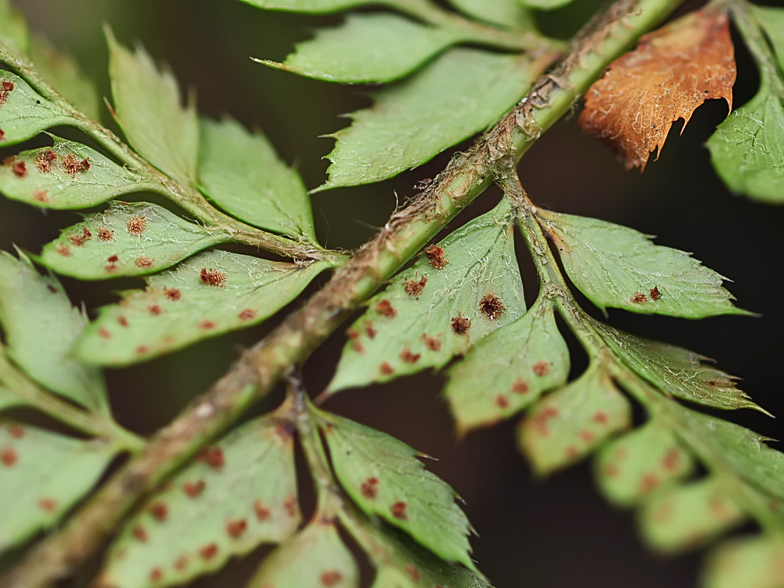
(544, 533)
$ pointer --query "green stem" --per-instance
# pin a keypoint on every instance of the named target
(757, 44)
(406, 232)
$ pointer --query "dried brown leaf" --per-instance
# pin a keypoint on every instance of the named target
(672, 72)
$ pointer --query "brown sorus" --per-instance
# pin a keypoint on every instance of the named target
(491, 306)
(172, 294)
(247, 314)
(435, 256)
(409, 356)
(460, 324)
(655, 294)
(263, 512)
(432, 343)
(399, 510)
(63, 249)
(140, 533)
(8, 456)
(541, 367)
(159, 511)
(235, 529)
(44, 159)
(79, 239)
(386, 309)
(520, 386)
(136, 225)
(386, 369)
(369, 488)
(73, 165)
(638, 298)
(213, 277)
(105, 233)
(415, 287)
(194, 489)
(48, 504)
(19, 168)
(208, 551)
(8, 86)
(213, 456)
(330, 578)
(143, 262)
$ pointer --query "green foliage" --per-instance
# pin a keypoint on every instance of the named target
(460, 304)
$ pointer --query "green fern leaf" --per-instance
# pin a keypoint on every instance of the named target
(383, 476)
(212, 293)
(13, 29)
(23, 112)
(127, 239)
(618, 267)
(572, 422)
(772, 22)
(147, 106)
(508, 370)
(241, 173)
(544, 4)
(237, 494)
(459, 94)
(68, 175)
(315, 558)
(503, 13)
(317, 6)
(464, 288)
(40, 327)
(747, 563)
(42, 475)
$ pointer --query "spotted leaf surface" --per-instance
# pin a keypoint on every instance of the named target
(67, 175)
(401, 563)
(572, 422)
(23, 112)
(60, 70)
(631, 468)
(747, 563)
(676, 371)
(688, 516)
(147, 106)
(242, 174)
(458, 292)
(127, 239)
(619, 267)
(461, 93)
(209, 294)
(315, 558)
(383, 476)
(374, 47)
(40, 326)
(236, 495)
(42, 475)
(508, 370)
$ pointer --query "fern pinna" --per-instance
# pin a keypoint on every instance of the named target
(208, 487)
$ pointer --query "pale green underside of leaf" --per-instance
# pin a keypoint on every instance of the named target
(248, 500)
(9, 399)
(178, 308)
(508, 370)
(40, 327)
(48, 183)
(60, 70)
(241, 173)
(384, 477)
(375, 47)
(401, 563)
(544, 4)
(461, 93)
(42, 475)
(504, 13)
(748, 562)
(688, 516)
(676, 371)
(127, 239)
(415, 332)
(629, 469)
(25, 113)
(747, 149)
(619, 267)
(147, 103)
(314, 558)
(13, 29)
(772, 22)
(572, 422)
(319, 6)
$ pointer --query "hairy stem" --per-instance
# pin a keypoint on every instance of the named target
(407, 231)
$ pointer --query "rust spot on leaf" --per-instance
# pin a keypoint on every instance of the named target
(501, 401)
(409, 356)
(541, 368)
(156, 575)
(212, 456)
(136, 225)
(369, 488)
(672, 72)
(571, 452)
(79, 239)
(520, 386)
(213, 277)
(105, 233)
(51, 288)
(369, 330)
(181, 562)
(140, 533)
(432, 343)
(330, 578)
(357, 346)
(460, 324)
(73, 166)
(8, 456)
(611, 471)
(648, 483)
(352, 334)
(16, 431)
(263, 513)
(44, 160)
(159, 511)
(122, 320)
(8, 86)
(19, 168)
(638, 298)
(40, 195)
(415, 287)
(413, 572)
(206, 325)
(48, 504)
(142, 349)
(2, 134)
(600, 417)
(63, 249)
(671, 459)
(435, 256)
(172, 294)
(290, 504)
(655, 294)
(386, 309)
(386, 369)
(235, 529)
(143, 262)
(208, 551)
(194, 489)
(399, 510)
(586, 435)
(491, 306)
(154, 309)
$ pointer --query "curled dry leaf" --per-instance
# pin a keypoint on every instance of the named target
(672, 72)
